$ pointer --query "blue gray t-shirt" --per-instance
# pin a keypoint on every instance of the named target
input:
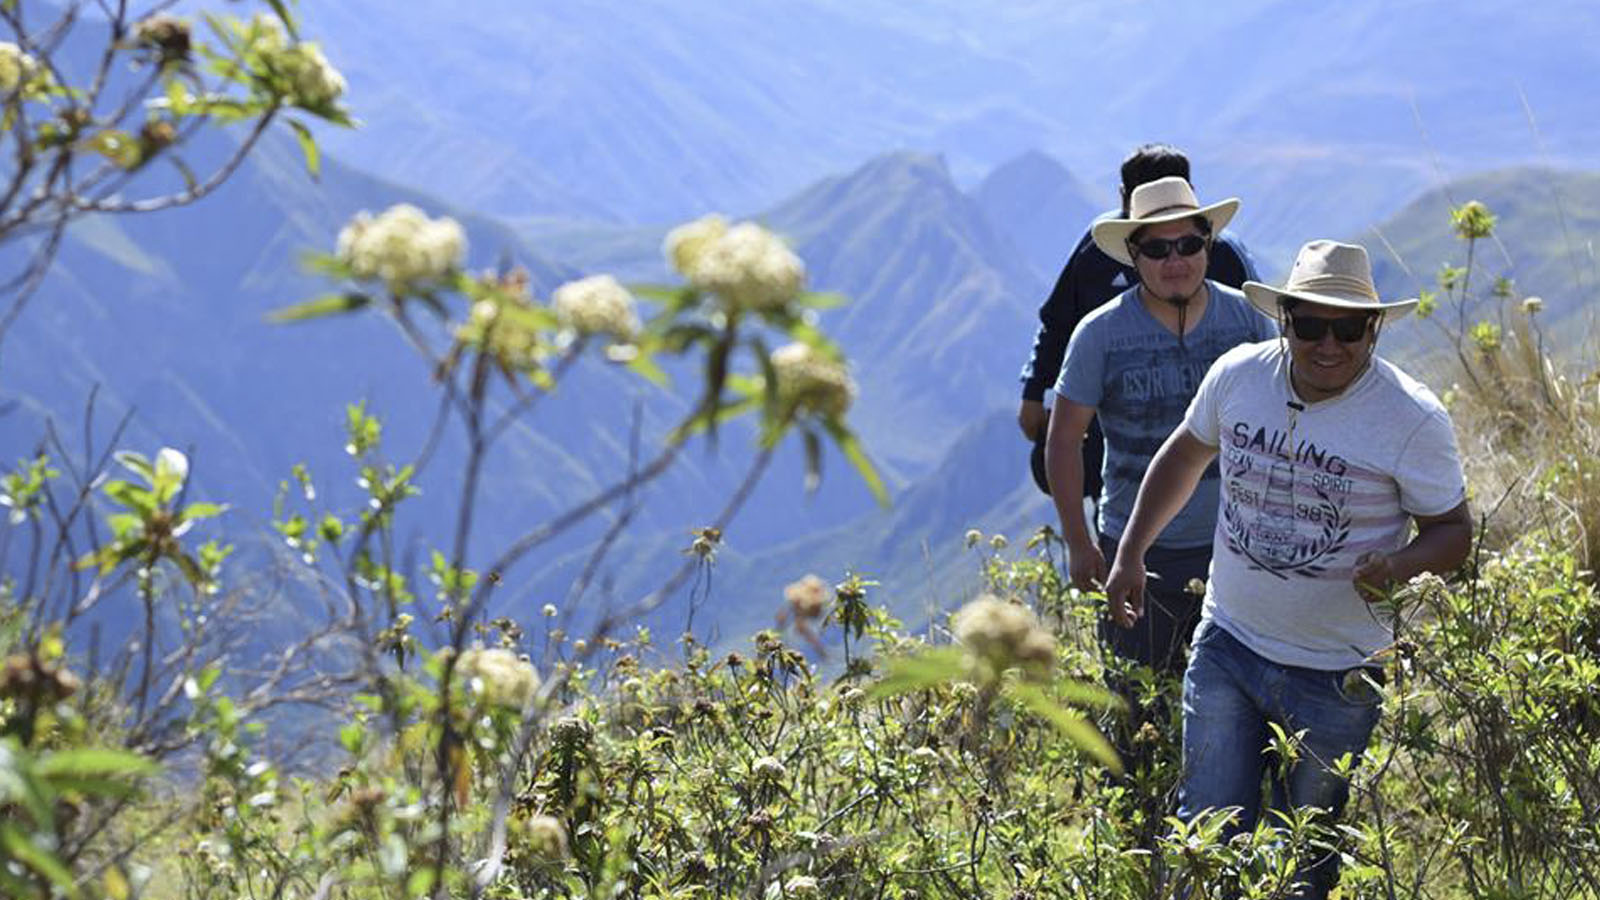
(1139, 379)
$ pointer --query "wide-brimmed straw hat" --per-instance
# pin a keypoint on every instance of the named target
(1332, 274)
(1169, 199)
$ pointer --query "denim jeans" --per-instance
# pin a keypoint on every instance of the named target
(1230, 694)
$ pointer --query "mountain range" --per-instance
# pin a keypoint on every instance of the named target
(625, 120)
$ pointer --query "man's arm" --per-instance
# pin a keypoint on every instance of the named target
(1063, 460)
(1442, 543)
(1058, 317)
(1169, 482)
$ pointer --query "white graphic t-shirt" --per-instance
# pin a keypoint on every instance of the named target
(1306, 489)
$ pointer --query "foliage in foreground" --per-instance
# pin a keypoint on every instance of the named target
(674, 772)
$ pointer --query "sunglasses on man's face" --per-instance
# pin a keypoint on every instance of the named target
(1347, 329)
(1161, 248)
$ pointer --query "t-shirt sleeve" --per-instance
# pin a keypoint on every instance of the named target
(1204, 413)
(1429, 468)
(1083, 371)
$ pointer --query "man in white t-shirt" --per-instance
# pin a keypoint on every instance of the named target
(1328, 454)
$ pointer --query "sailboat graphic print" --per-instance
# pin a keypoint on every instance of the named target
(1285, 502)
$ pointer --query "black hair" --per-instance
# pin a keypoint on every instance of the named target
(1149, 162)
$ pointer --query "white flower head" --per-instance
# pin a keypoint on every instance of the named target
(17, 69)
(1533, 305)
(597, 305)
(806, 597)
(811, 382)
(685, 244)
(313, 81)
(171, 462)
(768, 768)
(546, 837)
(748, 268)
(402, 247)
(1002, 634)
(499, 676)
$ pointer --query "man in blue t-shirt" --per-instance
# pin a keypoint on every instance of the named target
(1134, 364)
(1089, 279)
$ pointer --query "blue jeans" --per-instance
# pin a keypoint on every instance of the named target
(1230, 694)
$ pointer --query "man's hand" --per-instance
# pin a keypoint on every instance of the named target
(1125, 591)
(1086, 565)
(1033, 418)
(1375, 575)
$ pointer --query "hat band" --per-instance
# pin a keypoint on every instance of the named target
(1166, 209)
(1333, 283)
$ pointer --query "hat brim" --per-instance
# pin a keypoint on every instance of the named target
(1265, 297)
(1111, 235)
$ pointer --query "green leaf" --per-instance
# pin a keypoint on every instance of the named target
(661, 292)
(1076, 728)
(19, 847)
(95, 762)
(203, 510)
(813, 446)
(136, 463)
(924, 670)
(328, 305)
(645, 366)
(850, 446)
(282, 10)
(308, 147)
(1079, 693)
(822, 299)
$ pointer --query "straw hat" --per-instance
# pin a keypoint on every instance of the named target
(1169, 199)
(1332, 274)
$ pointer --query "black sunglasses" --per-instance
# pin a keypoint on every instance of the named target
(1161, 248)
(1347, 329)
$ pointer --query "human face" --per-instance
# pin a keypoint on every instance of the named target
(1324, 367)
(1175, 278)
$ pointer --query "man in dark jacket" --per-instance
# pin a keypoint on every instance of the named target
(1089, 279)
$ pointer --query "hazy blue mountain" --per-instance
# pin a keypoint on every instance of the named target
(1040, 207)
(1323, 120)
(940, 299)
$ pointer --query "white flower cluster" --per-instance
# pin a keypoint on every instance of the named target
(172, 463)
(17, 69)
(402, 247)
(546, 837)
(312, 81)
(499, 676)
(811, 382)
(768, 768)
(806, 597)
(1532, 305)
(1003, 635)
(597, 305)
(747, 267)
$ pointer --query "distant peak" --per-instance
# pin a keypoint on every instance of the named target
(1034, 168)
